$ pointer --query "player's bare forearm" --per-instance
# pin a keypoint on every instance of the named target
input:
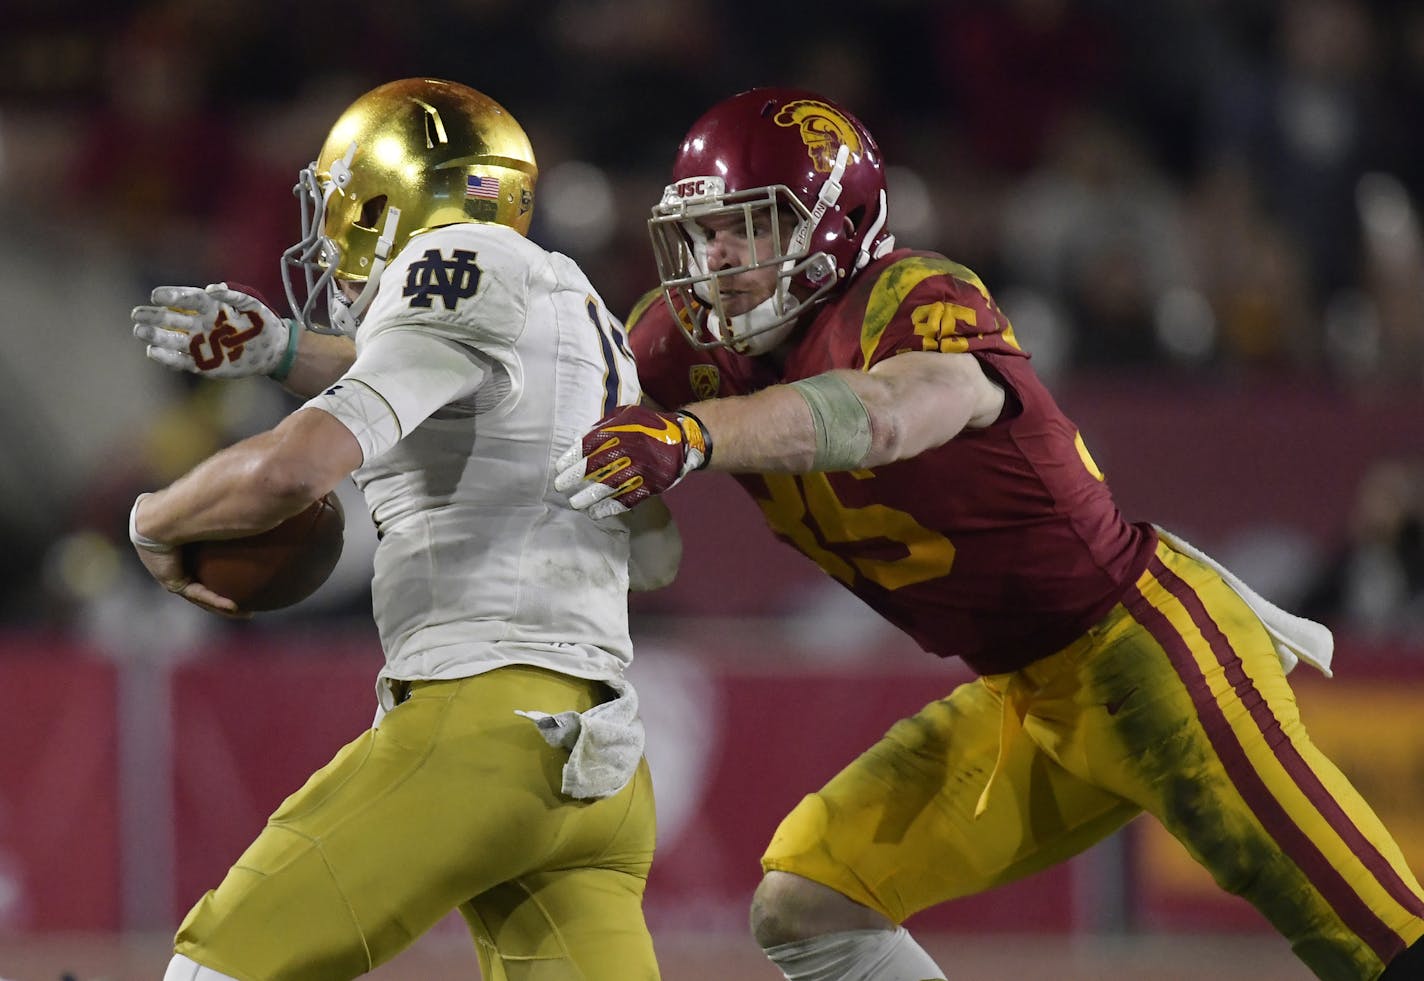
(255, 484)
(769, 432)
(913, 402)
(321, 359)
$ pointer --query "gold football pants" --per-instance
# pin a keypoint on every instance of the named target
(1175, 704)
(452, 802)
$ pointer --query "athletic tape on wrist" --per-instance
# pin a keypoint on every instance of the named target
(289, 357)
(140, 539)
(840, 420)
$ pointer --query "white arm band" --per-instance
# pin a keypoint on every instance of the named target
(399, 379)
(840, 420)
(139, 538)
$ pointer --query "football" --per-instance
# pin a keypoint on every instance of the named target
(276, 568)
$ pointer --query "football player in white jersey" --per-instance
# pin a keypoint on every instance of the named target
(504, 775)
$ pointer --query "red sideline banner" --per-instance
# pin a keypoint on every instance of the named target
(59, 793)
(732, 745)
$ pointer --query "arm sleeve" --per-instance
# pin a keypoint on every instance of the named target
(398, 380)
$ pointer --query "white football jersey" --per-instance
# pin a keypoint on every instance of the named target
(480, 562)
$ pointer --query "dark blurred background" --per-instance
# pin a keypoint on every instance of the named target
(1212, 203)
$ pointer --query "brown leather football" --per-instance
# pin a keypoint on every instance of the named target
(276, 568)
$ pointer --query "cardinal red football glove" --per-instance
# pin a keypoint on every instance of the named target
(630, 455)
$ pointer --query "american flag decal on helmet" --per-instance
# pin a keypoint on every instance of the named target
(477, 186)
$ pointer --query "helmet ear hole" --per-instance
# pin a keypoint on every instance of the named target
(371, 212)
(855, 215)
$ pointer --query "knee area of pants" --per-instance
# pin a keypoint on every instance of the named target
(784, 911)
(767, 915)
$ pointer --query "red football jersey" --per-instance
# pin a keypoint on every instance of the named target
(999, 547)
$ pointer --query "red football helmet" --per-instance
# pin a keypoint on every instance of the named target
(800, 171)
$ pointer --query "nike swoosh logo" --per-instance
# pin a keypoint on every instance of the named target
(670, 433)
(1115, 706)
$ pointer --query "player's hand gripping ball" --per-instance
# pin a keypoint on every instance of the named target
(629, 456)
(237, 577)
(275, 568)
(218, 331)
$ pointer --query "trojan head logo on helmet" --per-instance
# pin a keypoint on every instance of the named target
(824, 130)
(404, 158)
(785, 160)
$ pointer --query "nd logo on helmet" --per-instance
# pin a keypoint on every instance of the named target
(823, 130)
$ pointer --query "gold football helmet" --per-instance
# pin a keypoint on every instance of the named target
(406, 157)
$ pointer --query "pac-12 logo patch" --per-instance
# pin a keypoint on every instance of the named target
(453, 279)
(705, 379)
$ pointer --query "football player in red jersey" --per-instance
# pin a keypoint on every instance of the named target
(876, 404)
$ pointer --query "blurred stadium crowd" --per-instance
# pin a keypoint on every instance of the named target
(1219, 190)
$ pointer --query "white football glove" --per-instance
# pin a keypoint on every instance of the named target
(217, 331)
